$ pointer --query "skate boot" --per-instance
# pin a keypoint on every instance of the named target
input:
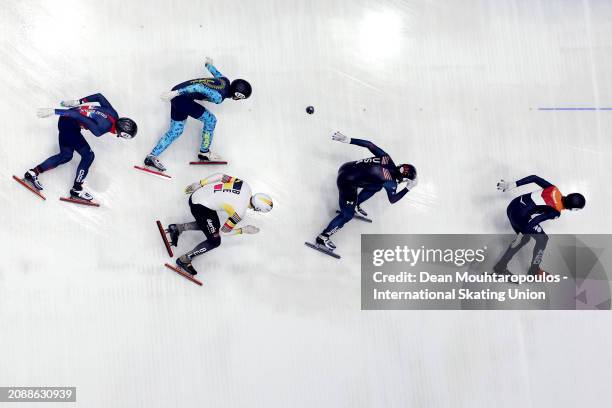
(501, 270)
(185, 264)
(174, 234)
(324, 241)
(78, 193)
(539, 272)
(362, 212)
(153, 161)
(209, 156)
(32, 178)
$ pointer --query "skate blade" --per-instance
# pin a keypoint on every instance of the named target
(205, 162)
(79, 201)
(184, 274)
(29, 187)
(324, 250)
(162, 232)
(153, 172)
(359, 217)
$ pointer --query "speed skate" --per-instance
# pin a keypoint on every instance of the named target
(206, 162)
(321, 248)
(183, 274)
(358, 217)
(152, 172)
(79, 201)
(29, 187)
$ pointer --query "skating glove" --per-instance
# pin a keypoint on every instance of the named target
(166, 96)
(192, 187)
(45, 112)
(339, 137)
(208, 61)
(73, 103)
(249, 229)
(410, 184)
(504, 186)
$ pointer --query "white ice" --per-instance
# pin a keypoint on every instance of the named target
(451, 86)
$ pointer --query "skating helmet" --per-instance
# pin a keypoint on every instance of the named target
(126, 128)
(407, 171)
(261, 202)
(240, 88)
(574, 201)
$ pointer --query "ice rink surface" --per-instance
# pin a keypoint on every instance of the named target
(452, 87)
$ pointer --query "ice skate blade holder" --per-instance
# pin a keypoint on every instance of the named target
(183, 274)
(79, 201)
(322, 249)
(207, 162)
(153, 172)
(29, 187)
(162, 232)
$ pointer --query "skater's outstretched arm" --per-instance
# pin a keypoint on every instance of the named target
(376, 151)
(392, 193)
(509, 185)
(213, 178)
(89, 123)
(211, 68)
(247, 229)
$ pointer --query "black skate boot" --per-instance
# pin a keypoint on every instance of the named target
(153, 161)
(324, 241)
(501, 270)
(174, 233)
(184, 263)
(32, 178)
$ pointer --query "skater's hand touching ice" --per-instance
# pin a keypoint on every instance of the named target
(504, 186)
(45, 112)
(166, 96)
(249, 229)
(192, 187)
(339, 137)
(208, 61)
(410, 184)
(73, 103)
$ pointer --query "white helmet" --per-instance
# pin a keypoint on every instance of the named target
(261, 202)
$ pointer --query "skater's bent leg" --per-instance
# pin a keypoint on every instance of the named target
(347, 202)
(366, 194)
(541, 240)
(208, 222)
(188, 226)
(64, 156)
(87, 158)
(174, 131)
(519, 241)
(210, 121)
(204, 246)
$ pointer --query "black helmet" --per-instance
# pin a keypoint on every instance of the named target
(240, 88)
(407, 171)
(574, 201)
(126, 128)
